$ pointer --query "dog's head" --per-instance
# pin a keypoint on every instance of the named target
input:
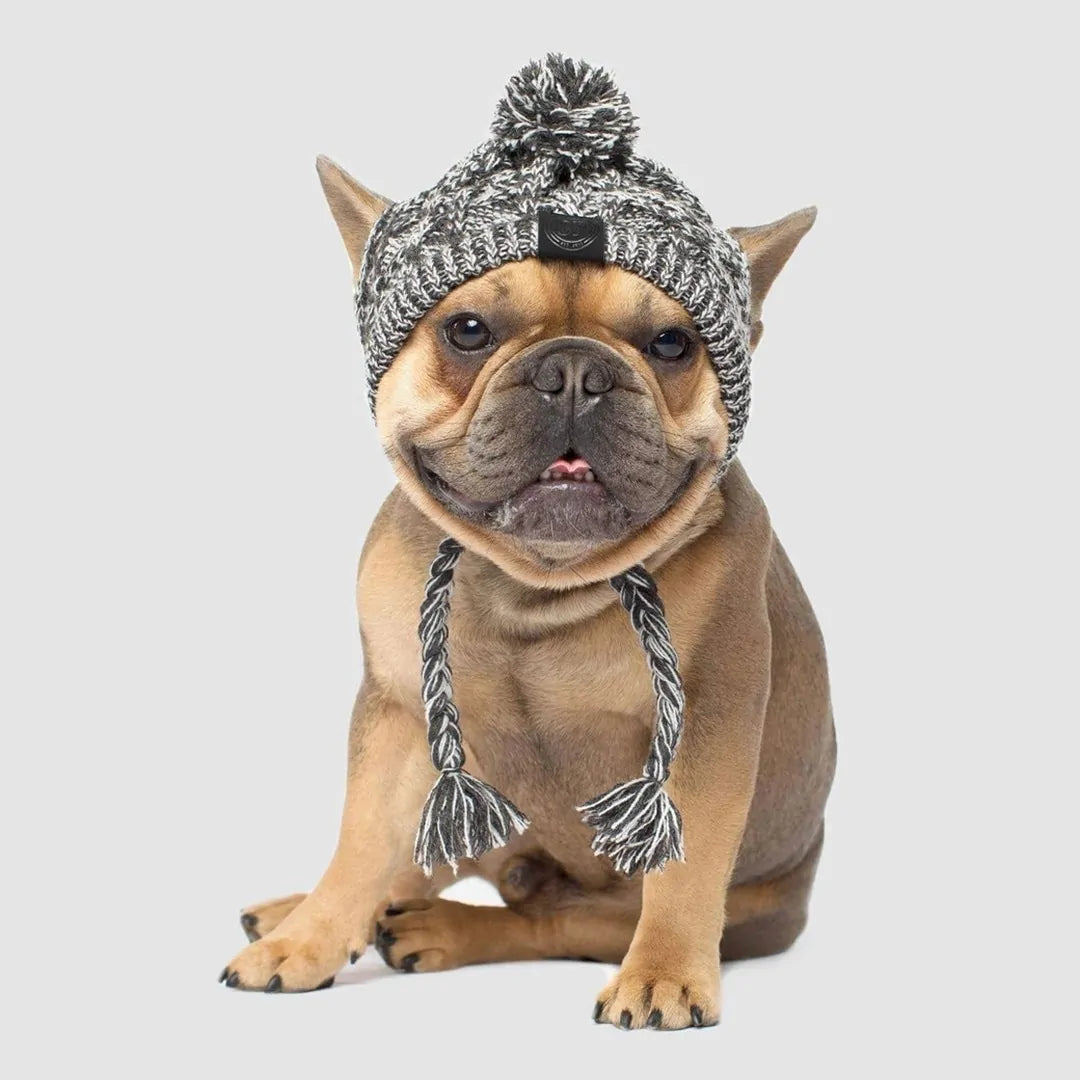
(560, 417)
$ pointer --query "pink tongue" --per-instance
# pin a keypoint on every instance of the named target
(578, 465)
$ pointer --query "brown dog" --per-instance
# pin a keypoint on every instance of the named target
(551, 681)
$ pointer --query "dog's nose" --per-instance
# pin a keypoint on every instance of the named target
(578, 373)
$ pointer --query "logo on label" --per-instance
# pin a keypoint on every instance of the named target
(563, 236)
(573, 237)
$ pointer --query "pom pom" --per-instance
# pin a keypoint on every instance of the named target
(463, 819)
(637, 825)
(566, 110)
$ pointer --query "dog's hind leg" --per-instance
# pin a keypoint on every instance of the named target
(765, 917)
(435, 935)
(548, 915)
(259, 919)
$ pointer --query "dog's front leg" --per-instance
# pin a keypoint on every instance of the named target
(388, 780)
(670, 977)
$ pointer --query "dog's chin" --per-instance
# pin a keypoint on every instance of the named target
(556, 515)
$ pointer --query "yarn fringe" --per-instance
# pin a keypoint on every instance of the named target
(637, 825)
(463, 818)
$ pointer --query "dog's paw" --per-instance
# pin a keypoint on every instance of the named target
(258, 920)
(658, 997)
(300, 954)
(425, 935)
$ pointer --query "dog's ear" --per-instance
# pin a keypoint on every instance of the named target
(355, 209)
(767, 248)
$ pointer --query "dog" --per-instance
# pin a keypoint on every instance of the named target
(561, 419)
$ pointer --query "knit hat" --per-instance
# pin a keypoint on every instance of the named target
(557, 178)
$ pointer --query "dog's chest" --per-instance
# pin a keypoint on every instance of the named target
(555, 719)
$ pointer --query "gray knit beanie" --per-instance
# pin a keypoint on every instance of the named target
(558, 178)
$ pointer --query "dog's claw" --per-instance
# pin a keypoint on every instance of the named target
(624, 1020)
(656, 1018)
(696, 1017)
(408, 963)
(274, 985)
(391, 910)
(326, 984)
(233, 980)
(224, 975)
(383, 940)
(598, 1011)
(354, 956)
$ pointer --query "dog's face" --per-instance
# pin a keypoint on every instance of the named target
(558, 408)
(561, 417)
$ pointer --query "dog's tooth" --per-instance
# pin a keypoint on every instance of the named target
(546, 474)
(590, 476)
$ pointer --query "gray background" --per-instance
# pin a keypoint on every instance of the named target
(189, 470)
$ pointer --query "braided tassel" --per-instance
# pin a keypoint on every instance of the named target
(463, 817)
(637, 825)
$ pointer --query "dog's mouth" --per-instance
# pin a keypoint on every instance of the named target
(569, 470)
(568, 501)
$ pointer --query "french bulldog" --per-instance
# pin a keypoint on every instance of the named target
(562, 421)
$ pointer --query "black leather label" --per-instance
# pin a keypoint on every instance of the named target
(563, 236)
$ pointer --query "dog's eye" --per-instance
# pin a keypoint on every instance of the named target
(467, 333)
(670, 345)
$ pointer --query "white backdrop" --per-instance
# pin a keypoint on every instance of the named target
(189, 470)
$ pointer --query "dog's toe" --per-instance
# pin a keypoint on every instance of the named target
(279, 963)
(258, 920)
(641, 998)
(422, 935)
